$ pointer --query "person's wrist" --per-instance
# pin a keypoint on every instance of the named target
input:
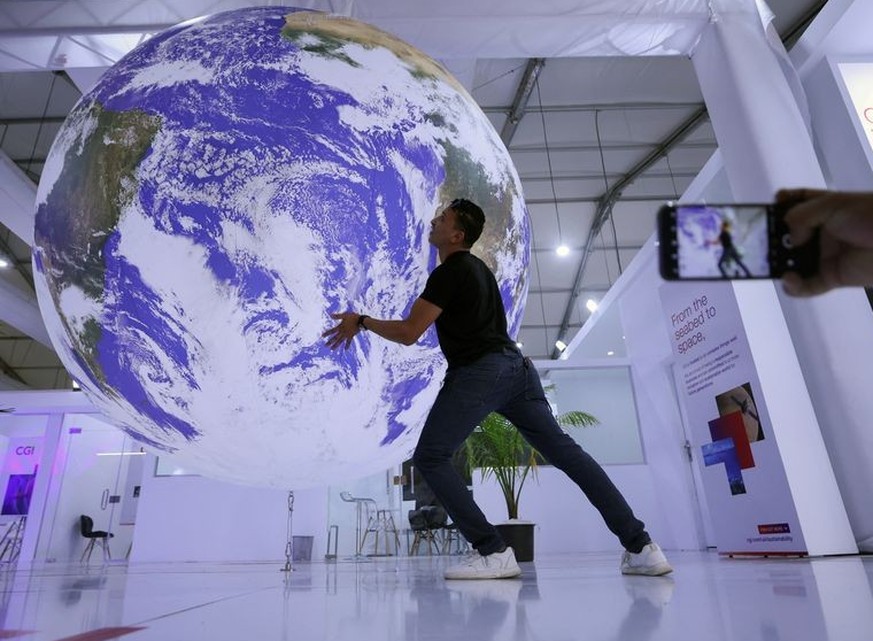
(361, 319)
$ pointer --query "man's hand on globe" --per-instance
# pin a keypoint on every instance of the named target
(347, 329)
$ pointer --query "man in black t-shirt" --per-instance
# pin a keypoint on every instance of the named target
(729, 252)
(487, 373)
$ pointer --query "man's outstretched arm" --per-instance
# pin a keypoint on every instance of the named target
(406, 331)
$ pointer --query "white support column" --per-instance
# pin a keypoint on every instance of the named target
(765, 145)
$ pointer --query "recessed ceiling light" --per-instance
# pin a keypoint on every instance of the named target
(591, 305)
(562, 250)
(561, 345)
(610, 353)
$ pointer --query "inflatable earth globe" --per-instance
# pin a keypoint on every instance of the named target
(227, 186)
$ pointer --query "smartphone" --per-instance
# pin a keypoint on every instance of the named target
(726, 242)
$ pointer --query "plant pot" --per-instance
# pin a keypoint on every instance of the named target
(519, 535)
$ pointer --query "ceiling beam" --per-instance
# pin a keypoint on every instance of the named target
(518, 108)
(599, 176)
(645, 198)
(32, 120)
(550, 326)
(20, 310)
(551, 250)
(612, 106)
(6, 369)
(629, 146)
(795, 31)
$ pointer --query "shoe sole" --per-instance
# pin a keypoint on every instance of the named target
(658, 570)
(509, 573)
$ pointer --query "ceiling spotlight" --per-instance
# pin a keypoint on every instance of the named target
(591, 305)
(561, 345)
(610, 353)
(562, 250)
(3, 263)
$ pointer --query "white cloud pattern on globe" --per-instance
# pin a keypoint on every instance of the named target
(224, 188)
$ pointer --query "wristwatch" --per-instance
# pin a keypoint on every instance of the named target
(361, 319)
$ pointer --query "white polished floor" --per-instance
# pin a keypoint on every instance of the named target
(558, 598)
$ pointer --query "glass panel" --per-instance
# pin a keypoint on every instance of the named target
(95, 475)
(606, 393)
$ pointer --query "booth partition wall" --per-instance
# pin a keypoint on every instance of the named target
(74, 465)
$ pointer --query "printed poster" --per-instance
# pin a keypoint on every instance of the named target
(18, 475)
(744, 480)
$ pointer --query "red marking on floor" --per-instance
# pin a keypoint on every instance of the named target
(102, 634)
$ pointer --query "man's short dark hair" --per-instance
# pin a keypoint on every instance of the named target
(469, 218)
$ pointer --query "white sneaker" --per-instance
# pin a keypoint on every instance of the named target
(649, 561)
(500, 565)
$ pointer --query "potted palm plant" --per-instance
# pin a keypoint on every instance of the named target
(498, 450)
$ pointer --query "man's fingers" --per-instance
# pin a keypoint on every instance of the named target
(833, 272)
(803, 219)
(797, 195)
(799, 287)
(848, 217)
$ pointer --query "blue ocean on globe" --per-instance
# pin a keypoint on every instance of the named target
(224, 188)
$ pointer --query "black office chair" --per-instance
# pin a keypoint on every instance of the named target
(86, 526)
(426, 522)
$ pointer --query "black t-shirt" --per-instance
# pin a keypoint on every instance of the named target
(473, 320)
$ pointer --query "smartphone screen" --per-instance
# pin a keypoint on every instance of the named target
(722, 241)
(727, 242)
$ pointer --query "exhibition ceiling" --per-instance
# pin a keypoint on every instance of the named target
(596, 100)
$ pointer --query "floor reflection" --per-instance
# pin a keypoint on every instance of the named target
(557, 598)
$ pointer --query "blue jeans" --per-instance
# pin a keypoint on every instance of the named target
(507, 383)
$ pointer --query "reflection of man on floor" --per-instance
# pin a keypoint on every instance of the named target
(729, 251)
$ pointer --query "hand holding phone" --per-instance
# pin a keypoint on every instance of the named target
(844, 221)
(725, 242)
